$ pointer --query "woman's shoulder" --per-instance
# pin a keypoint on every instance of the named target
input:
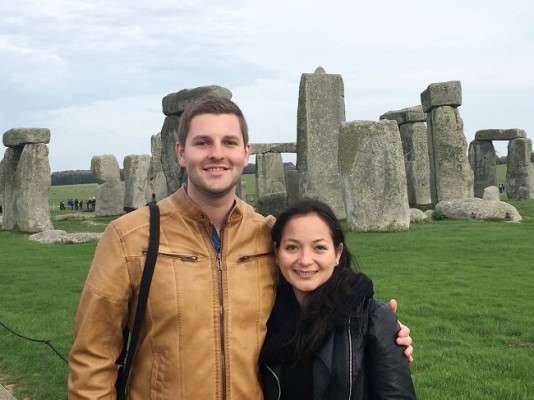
(382, 319)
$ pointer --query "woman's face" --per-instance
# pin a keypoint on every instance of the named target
(306, 254)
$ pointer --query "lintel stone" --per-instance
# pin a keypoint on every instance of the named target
(21, 136)
(175, 103)
(406, 115)
(500, 134)
(442, 94)
(261, 148)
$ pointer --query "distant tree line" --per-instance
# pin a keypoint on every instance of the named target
(77, 177)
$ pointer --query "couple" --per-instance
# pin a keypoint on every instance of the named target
(214, 287)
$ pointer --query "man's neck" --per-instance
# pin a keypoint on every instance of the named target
(216, 208)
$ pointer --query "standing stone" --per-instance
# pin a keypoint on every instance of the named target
(451, 176)
(241, 190)
(174, 104)
(135, 181)
(32, 184)
(270, 178)
(174, 174)
(321, 111)
(109, 197)
(412, 129)
(270, 175)
(292, 185)
(156, 183)
(26, 180)
(373, 176)
(519, 173)
(483, 163)
(9, 167)
(2, 185)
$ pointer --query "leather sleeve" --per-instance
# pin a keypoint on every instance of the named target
(101, 314)
(388, 372)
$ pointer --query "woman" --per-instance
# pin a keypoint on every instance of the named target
(327, 337)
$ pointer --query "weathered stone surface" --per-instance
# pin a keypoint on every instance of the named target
(74, 216)
(31, 186)
(109, 196)
(491, 193)
(500, 134)
(156, 183)
(59, 236)
(451, 176)
(321, 110)
(174, 174)
(417, 215)
(475, 208)
(260, 148)
(406, 115)
(519, 172)
(21, 136)
(292, 185)
(415, 150)
(135, 181)
(373, 176)
(271, 204)
(270, 175)
(2, 183)
(483, 163)
(9, 166)
(442, 94)
(176, 103)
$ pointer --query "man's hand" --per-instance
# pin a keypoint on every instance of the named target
(403, 337)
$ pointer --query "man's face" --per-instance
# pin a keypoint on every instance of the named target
(214, 155)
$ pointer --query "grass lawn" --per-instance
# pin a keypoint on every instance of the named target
(463, 288)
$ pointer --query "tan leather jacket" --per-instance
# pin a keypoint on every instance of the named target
(206, 318)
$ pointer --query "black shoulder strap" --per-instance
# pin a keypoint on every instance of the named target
(150, 262)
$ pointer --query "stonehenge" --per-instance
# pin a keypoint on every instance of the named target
(320, 113)
(519, 172)
(369, 172)
(109, 200)
(451, 176)
(25, 180)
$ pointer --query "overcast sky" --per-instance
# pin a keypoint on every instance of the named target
(94, 72)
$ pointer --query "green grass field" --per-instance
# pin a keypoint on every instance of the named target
(463, 288)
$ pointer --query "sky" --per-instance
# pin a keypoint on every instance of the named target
(95, 72)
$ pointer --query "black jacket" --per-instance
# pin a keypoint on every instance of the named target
(355, 362)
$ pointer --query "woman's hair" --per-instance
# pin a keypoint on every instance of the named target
(210, 104)
(340, 296)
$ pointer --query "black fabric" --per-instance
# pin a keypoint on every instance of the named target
(297, 380)
(130, 341)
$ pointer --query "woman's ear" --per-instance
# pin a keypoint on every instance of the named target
(339, 251)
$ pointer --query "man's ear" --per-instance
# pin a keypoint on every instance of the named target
(180, 154)
(247, 155)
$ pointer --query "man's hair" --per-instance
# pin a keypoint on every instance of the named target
(210, 104)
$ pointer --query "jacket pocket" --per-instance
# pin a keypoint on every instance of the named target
(251, 257)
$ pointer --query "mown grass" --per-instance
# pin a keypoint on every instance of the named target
(463, 288)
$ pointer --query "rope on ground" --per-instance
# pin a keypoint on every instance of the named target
(48, 342)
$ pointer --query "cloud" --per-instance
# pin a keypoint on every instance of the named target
(100, 68)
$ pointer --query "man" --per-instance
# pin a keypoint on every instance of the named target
(213, 285)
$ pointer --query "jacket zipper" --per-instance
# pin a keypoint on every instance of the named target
(221, 315)
(178, 256)
(350, 360)
(254, 256)
(277, 381)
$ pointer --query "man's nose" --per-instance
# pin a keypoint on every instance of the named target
(217, 151)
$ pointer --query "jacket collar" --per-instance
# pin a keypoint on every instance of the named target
(183, 204)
